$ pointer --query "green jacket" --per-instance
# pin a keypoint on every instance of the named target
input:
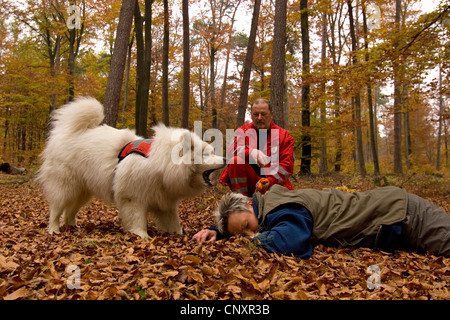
(340, 218)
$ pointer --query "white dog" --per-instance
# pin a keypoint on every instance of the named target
(80, 160)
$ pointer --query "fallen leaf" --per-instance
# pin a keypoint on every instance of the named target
(18, 294)
(322, 289)
(171, 273)
(7, 264)
(264, 285)
(194, 275)
(192, 259)
(278, 295)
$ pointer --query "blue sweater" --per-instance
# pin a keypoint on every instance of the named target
(287, 231)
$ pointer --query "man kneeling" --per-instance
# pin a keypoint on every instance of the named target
(293, 221)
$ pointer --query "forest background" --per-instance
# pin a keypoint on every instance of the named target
(361, 85)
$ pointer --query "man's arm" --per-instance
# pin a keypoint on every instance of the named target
(286, 161)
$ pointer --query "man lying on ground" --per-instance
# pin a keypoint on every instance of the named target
(293, 221)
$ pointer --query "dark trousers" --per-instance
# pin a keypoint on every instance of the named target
(426, 227)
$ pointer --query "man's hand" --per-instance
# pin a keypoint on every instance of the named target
(262, 185)
(260, 158)
(205, 235)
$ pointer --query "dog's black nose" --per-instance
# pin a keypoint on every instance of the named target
(224, 161)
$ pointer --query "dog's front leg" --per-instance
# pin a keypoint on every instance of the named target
(133, 217)
(168, 221)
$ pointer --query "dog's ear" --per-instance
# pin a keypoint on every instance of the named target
(186, 142)
(182, 148)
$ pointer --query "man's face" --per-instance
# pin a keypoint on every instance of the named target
(243, 222)
(261, 116)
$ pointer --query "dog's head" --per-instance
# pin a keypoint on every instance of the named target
(208, 163)
(194, 162)
(201, 157)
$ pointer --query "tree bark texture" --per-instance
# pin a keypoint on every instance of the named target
(115, 78)
(278, 62)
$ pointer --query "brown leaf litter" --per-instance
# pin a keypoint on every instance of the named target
(109, 264)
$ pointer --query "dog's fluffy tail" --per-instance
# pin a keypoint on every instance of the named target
(79, 115)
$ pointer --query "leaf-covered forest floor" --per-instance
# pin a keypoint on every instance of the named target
(114, 265)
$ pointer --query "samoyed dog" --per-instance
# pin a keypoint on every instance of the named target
(83, 158)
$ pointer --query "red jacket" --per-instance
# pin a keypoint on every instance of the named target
(279, 146)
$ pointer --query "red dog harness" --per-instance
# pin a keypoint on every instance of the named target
(141, 147)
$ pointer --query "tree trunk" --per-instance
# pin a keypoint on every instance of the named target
(115, 78)
(278, 63)
(74, 37)
(372, 123)
(227, 63)
(243, 96)
(54, 56)
(212, 89)
(127, 80)
(441, 119)
(357, 98)
(186, 67)
(71, 64)
(165, 66)
(397, 99)
(407, 135)
(446, 134)
(305, 165)
(335, 56)
(323, 162)
(143, 64)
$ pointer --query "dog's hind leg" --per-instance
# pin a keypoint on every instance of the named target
(64, 199)
(56, 211)
(133, 217)
(74, 206)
